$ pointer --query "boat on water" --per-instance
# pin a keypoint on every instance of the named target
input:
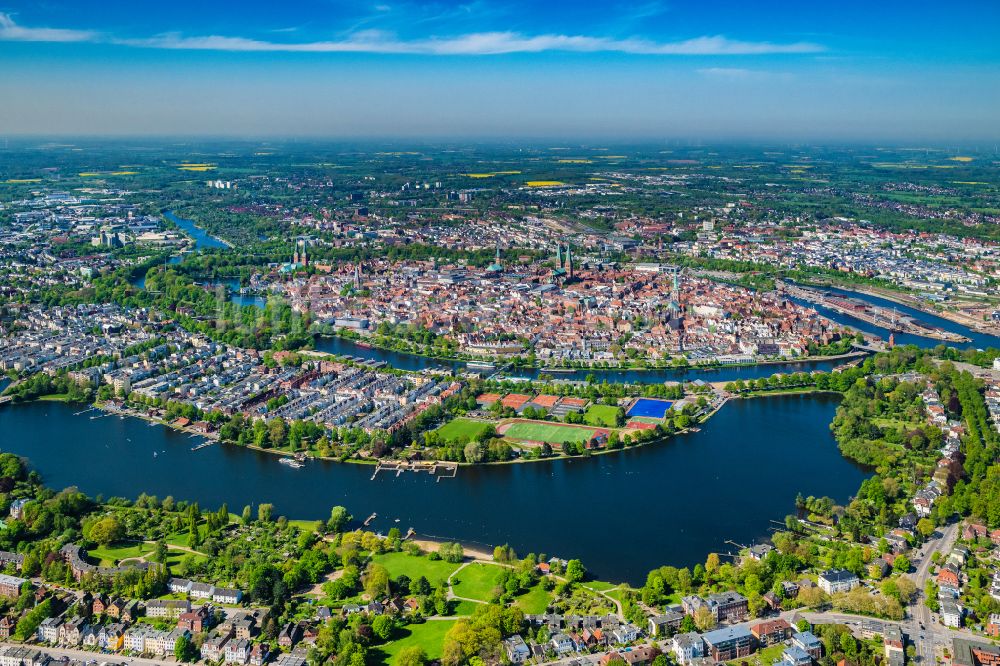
(292, 462)
(363, 345)
(480, 365)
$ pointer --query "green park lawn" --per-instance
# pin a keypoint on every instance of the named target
(537, 431)
(415, 566)
(308, 526)
(463, 608)
(599, 585)
(429, 636)
(108, 556)
(605, 416)
(534, 601)
(462, 428)
(476, 581)
(766, 657)
(175, 557)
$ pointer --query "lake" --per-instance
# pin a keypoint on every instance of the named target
(623, 513)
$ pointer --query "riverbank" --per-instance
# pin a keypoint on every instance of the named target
(784, 440)
(456, 363)
(915, 303)
(213, 438)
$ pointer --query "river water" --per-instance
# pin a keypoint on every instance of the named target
(978, 340)
(621, 513)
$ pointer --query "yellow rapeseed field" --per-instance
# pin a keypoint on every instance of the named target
(544, 183)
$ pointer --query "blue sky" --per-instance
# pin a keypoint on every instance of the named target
(655, 69)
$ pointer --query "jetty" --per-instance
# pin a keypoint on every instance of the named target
(441, 470)
(369, 519)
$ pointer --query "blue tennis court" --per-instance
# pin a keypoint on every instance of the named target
(650, 407)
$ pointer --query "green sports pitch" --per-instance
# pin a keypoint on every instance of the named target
(548, 432)
(459, 428)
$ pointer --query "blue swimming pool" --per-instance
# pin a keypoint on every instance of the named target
(650, 407)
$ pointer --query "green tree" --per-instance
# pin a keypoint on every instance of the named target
(413, 655)
(184, 649)
(377, 581)
(575, 571)
(107, 530)
(339, 517)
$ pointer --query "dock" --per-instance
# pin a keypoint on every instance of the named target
(369, 519)
(207, 442)
(441, 470)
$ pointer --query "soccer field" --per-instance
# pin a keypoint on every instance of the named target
(460, 427)
(548, 432)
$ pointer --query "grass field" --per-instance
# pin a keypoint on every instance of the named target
(108, 556)
(548, 432)
(535, 601)
(598, 585)
(460, 427)
(601, 415)
(765, 657)
(476, 581)
(464, 607)
(415, 566)
(429, 636)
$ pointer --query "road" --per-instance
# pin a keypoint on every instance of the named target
(85, 655)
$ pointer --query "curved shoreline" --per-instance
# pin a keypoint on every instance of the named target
(915, 303)
(707, 367)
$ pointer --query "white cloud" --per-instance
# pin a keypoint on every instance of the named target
(479, 43)
(372, 41)
(12, 32)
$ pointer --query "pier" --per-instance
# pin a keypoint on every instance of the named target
(441, 470)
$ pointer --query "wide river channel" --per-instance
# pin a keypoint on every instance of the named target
(622, 513)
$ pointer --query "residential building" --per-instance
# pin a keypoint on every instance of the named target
(838, 580)
(664, 625)
(10, 586)
(516, 649)
(771, 632)
(687, 647)
(729, 643)
(808, 643)
(795, 656)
